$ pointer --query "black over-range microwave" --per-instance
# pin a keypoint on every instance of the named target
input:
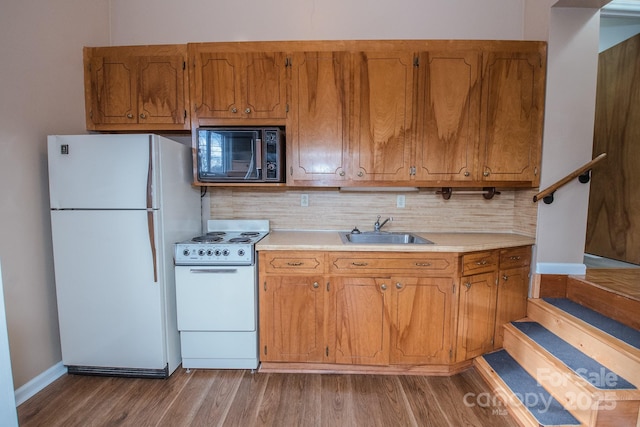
(241, 154)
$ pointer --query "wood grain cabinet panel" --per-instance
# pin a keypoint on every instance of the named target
(235, 87)
(292, 313)
(448, 125)
(513, 290)
(479, 262)
(512, 115)
(318, 121)
(136, 88)
(383, 92)
(293, 262)
(392, 263)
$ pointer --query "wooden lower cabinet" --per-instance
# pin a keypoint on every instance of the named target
(344, 309)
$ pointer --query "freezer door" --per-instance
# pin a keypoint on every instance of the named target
(100, 171)
(111, 311)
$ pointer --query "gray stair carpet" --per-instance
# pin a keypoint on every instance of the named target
(612, 327)
(547, 411)
(589, 369)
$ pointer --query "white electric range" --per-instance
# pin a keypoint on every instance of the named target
(216, 295)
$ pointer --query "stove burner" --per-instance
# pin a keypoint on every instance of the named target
(250, 234)
(207, 239)
(216, 233)
(240, 240)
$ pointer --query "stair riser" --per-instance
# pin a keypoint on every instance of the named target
(618, 357)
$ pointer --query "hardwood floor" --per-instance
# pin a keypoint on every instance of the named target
(241, 398)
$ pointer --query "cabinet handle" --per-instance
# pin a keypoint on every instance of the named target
(129, 116)
(295, 264)
(398, 285)
(383, 287)
(468, 285)
(486, 173)
(423, 264)
(515, 258)
(467, 173)
(316, 285)
(505, 277)
(247, 110)
(360, 173)
(360, 264)
(234, 110)
(143, 116)
(482, 262)
(341, 173)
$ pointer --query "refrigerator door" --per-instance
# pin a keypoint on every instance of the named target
(110, 306)
(101, 171)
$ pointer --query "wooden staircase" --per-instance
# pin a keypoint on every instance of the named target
(568, 364)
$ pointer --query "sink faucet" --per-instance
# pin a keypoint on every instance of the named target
(377, 226)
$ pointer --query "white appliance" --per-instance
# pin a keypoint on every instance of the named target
(217, 298)
(118, 204)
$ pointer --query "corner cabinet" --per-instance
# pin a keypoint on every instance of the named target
(136, 88)
(231, 85)
(387, 311)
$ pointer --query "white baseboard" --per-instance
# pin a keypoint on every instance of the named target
(560, 268)
(37, 384)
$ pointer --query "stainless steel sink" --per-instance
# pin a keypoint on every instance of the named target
(384, 238)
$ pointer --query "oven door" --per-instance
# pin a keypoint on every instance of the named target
(216, 298)
(229, 155)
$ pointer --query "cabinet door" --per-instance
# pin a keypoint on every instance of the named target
(448, 115)
(421, 320)
(362, 320)
(512, 116)
(292, 313)
(162, 90)
(112, 90)
(318, 123)
(216, 82)
(476, 315)
(513, 290)
(383, 111)
(264, 85)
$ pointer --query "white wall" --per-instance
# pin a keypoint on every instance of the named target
(42, 92)
(614, 30)
(568, 137)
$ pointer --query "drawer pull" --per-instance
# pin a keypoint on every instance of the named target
(468, 285)
(515, 258)
(295, 264)
(316, 285)
(360, 264)
(398, 285)
(505, 277)
(423, 264)
(383, 287)
(482, 262)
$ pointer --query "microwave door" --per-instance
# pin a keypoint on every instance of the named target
(229, 155)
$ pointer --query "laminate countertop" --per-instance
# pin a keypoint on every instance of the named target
(279, 240)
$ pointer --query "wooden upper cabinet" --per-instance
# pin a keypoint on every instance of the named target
(232, 85)
(136, 88)
(512, 115)
(448, 124)
(383, 92)
(318, 122)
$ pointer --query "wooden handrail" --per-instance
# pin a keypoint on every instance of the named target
(576, 173)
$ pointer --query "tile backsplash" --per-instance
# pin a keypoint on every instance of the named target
(331, 209)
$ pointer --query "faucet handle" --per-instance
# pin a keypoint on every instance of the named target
(355, 230)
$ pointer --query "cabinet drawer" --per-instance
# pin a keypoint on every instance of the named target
(515, 257)
(479, 262)
(292, 262)
(392, 263)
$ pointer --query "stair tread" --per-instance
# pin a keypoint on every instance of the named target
(547, 410)
(612, 327)
(590, 369)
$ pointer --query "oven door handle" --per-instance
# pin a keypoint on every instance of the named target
(213, 270)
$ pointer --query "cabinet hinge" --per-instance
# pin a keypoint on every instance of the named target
(453, 288)
(185, 114)
(326, 351)
(450, 353)
(327, 286)
(286, 108)
(265, 286)
(535, 171)
(89, 67)
(184, 65)
(291, 170)
(416, 61)
(265, 349)
(287, 62)
(412, 170)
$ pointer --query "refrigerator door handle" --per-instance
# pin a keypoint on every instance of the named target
(150, 222)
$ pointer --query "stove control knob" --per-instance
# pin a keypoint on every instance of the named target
(185, 252)
(225, 252)
(209, 252)
(216, 252)
(240, 252)
(201, 252)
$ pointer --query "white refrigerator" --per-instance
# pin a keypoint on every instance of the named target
(118, 205)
